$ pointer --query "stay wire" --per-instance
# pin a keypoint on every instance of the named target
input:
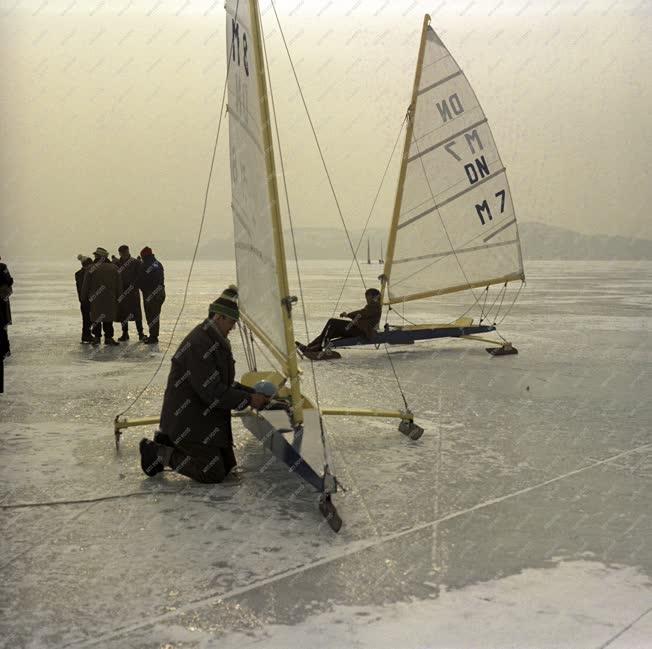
(199, 234)
(373, 205)
(355, 259)
(314, 133)
(500, 306)
(512, 304)
(493, 304)
(291, 222)
(484, 304)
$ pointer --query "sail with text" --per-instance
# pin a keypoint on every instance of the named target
(258, 258)
(456, 228)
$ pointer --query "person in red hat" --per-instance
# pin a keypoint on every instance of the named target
(151, 281)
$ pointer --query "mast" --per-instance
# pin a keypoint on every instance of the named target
(368, 252)
(391, 243)
(272, 188)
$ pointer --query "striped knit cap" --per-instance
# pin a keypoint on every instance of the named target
(226, 304)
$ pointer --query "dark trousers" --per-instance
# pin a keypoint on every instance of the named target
(97, 328)
(336, 328)
(4, 341)
(85, 308)
(4, 350)
(153, 304)
(139, 326)
(203, 463)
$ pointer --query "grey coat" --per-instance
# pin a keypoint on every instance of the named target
(201, 391)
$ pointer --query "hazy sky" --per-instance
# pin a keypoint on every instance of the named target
(109, 110)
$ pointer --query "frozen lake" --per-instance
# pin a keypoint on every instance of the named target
(521, 519)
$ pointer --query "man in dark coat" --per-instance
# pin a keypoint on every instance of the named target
(6, 284)
(101, 288)
(129, 299)
(195, 437)
(151, 282)
(84, 305)
(360, 323)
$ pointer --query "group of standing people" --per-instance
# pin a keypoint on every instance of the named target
(109, 289)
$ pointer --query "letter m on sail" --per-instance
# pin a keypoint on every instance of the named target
(481, 209)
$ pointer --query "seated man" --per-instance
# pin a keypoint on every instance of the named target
(195, 437)
(361, 323)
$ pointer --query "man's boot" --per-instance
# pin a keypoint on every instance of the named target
(149, 460)
(110, 341)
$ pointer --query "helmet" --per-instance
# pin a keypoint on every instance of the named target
(267, 388)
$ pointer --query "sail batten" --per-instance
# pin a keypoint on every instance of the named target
(453, 196)
(459, 251)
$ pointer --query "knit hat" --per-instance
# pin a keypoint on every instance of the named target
(101, 252)
(226, 304)
(146, 252)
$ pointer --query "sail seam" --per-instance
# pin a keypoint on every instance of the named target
(442, 142)
(441, 58)
(439, 83)
(458, 250)
(499, 230)
(430, 265)
(246, 129)
(449, 200)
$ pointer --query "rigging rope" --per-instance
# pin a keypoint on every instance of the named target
(314, 133)
(199, 233)
(484, 304)
(294, 243)
(501, 293)
(373, 205)
(511, 305)
(354, 251)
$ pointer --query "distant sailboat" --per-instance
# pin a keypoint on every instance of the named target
(368, 252)
(453, 226)
(380, 259)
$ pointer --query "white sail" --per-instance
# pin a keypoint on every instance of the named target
(455, 227)
(256, 252)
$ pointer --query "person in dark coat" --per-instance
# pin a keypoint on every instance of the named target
(195, 437)
(151, 282)
(360, 323)
(129, 299)
(101, 287)
(84, 305)
(6, 289)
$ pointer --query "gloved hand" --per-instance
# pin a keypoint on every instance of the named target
(258, 401)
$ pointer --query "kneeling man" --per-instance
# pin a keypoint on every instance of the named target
(195, 437)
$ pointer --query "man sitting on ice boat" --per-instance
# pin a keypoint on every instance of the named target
(360, 323)
(195, 437)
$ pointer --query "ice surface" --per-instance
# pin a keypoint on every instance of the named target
(520, 519)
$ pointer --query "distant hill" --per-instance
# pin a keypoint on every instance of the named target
(539, 241)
